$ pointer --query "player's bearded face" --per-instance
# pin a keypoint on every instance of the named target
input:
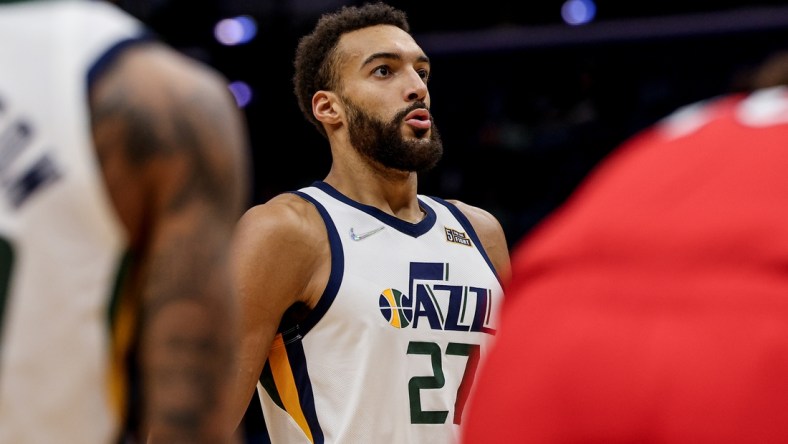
(383, 141)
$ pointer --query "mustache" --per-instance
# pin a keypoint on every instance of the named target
(414, 106)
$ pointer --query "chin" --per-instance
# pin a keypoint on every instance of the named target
(421, 134)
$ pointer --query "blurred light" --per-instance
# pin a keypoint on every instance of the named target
(236, 30)
(242, 93)
(578, 12)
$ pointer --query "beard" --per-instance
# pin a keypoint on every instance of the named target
(384, 143)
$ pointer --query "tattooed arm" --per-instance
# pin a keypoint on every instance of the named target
(173, 146)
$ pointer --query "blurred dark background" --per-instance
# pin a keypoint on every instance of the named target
(527, 103)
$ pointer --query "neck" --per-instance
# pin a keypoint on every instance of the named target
(396, 196)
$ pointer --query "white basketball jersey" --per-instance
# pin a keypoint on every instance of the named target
(61, 243)
(390, 352)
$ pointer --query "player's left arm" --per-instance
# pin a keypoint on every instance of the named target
(173, 146)
(492, 236)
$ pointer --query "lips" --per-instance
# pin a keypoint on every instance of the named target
(419, 118)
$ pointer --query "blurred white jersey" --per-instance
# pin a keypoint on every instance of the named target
(390, 353)
(61, 244)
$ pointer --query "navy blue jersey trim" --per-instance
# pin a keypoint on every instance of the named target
(466, 224)
(413, 230)
(337, 268)
(110, 55)
(297, 358)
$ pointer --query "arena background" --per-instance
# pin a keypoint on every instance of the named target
(526, 103)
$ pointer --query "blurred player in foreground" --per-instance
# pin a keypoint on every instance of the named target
(653, 306)
(122, 174)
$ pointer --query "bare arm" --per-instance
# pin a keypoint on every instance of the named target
(281, 257)
(492, 237)
(173, 148)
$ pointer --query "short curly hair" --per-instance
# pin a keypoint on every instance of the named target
(316, 59)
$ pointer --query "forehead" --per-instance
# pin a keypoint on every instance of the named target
(357, 46)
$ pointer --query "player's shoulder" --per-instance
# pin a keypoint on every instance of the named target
(476, 215)
(159, 73)
(285, 216)
(183, 105)
(491, 234)
(487, 225)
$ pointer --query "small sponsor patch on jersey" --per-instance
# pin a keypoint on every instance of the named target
(457, 237)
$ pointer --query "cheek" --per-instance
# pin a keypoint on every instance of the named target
(377, 107)
(375, 104)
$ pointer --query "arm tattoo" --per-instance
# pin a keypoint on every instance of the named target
(186, 343)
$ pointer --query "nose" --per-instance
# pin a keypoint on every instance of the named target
(416, 89)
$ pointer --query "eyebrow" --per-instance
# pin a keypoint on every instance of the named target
(391, 55)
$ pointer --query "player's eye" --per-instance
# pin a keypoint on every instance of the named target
(424, 74)
(382, 71)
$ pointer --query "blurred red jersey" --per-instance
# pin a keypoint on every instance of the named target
(653, 306)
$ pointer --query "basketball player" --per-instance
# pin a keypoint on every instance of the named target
(366, 306)
(653, 306)
(121, 178)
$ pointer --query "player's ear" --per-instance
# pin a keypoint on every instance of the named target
(326, 107)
